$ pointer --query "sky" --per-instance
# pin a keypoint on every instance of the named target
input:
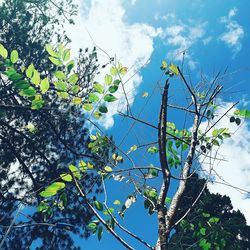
(142, 33)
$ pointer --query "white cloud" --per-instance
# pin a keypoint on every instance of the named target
(234, 32)
(133, 2)
(182, 37)
(131, 43)
(236, 169)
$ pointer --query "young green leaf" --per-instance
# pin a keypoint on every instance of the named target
(174, 69)
(30, 70)
(98, 88)
(66, 177)
(14, 56)
(75, 171)
(108, 169)
(36, 77)
(55, 61)
(77, 100)
(3, 51)
(44, 86)
(73, 78)
(50, 50)
(93, 97)
(66, 55)
(59, 75)
(108, 79)
(87, 106)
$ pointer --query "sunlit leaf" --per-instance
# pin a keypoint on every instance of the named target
(3, 51)
(93, 97)
(108, 79)
(59, 75)
(36, 77)
(44, 85)
(75, 171)
(14, 56)
(73, 78)
(66, 55)
(108, 169)
(87, 106)
(98, 88)
(66, 177)
(50, 50)
(55, 61)
(145, 94)
(174, 69)
(77, 100)
(30, 70)
(52, 189)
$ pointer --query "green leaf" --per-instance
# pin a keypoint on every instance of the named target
(70, 65)
(93, 97)
(31, 127)
(87, 106)
(113, 71)
(216, 143)
(109, 211)
(15, 77)
(132, 149)
(37, 103)
(214, 220)
(164, 65)
(108, 169)
(44, 86)
(97, 114)
(77, 100)
(30, 70)
(117, 82)
(73, 79)
(203, 231)
(14, 56)
(59, 75)
(168, 199)
(100, 232)
(109, 98)
(52, 189)
(98, 205)
(60, 85)
(98, 88)
(55, 61)
(66, 177)
(103, 109)
(108, 79)
(35, 78)
(30, 91)
(75, 89)
(50, 50)
(92, 226)
(66, 55)
(206, 215)
(63, 95)
(3, 51)
(75, 171)
(174, 69)
(153, 150)
(117, 202)
(113, 88)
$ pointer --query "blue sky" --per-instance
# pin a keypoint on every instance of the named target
(215, 35)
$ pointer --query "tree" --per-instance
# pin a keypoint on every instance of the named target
(178, 149)
(37, 144)
(213, 216)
